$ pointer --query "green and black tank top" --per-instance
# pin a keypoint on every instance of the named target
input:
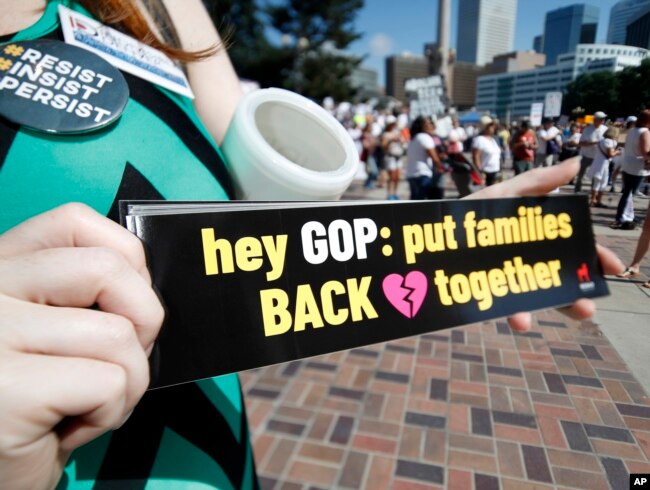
(189, 436)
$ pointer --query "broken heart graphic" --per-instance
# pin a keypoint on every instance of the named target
(406, 294)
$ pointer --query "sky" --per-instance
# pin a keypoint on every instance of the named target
(395, 26)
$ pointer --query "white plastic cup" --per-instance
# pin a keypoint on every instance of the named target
(282, 146)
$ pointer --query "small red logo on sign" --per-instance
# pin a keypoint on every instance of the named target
(583, 273)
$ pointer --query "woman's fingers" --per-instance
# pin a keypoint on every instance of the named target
(39, 391)
(520, 322)
(83, 277)
(580, 310)
(73, 225)
(536, 182)
(75, 332)
(69, 372)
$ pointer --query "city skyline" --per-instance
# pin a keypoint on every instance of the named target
(388, 30)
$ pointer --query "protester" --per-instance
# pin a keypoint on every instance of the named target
(461, 169)
(549, 142)
(523, 145)
(642, 247)
(369, 155)
(636, 166)
(393, 148)
(424, 168)
(617, 162)
(458, 133)
(598, 171)
(356, 133)
(504, 142)
(403, 121)
(486, 153)
(591, 135)
(378, 123)
(571, 143)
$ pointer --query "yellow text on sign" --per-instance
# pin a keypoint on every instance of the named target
(515, 277)
(278, 318)
(248, 254)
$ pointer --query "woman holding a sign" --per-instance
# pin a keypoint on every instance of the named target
(78, 315)
(75, 294)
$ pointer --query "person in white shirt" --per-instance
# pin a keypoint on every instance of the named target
(486, 152)
(393, 148)
(591, 135)
(356, 133)
(457, 132)
(549, 144)
(423, 168)
(599, 169)
(636, 166)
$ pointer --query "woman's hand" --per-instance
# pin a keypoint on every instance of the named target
(538, 182)
(78, 317)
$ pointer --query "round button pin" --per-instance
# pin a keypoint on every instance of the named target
(54, 87)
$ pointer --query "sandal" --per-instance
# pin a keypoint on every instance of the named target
(628, 273)
(646, 285)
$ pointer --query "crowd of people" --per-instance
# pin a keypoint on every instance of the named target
(392, 146)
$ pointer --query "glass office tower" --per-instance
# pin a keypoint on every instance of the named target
(567, 27)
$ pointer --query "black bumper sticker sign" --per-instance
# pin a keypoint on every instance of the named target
(248, 285)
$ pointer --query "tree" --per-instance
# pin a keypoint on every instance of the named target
(243, 30)
(634, 88)
(316, 32)
(593, 92)
(309, 60)
(618, 94)
(319, 21)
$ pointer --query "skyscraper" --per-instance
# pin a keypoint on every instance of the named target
(567, 27)
(620, 16)
(485, 28)
(638, 29)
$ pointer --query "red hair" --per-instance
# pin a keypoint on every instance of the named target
(125, 16)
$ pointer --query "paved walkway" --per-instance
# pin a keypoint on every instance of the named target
(475, 407)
